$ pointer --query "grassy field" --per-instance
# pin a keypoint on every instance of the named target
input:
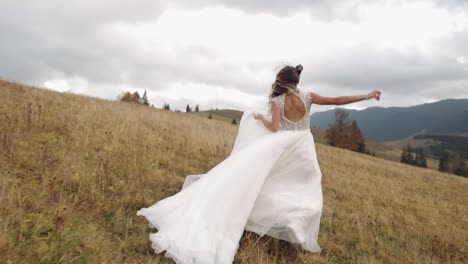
(390, 150)
(74, 170)
(223, 114)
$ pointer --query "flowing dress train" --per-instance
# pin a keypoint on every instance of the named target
(270, 184)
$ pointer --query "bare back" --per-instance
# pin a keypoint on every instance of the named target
(294, 110)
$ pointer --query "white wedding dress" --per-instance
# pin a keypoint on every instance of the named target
(269, 184)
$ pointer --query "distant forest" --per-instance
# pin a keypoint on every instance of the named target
(447, 142)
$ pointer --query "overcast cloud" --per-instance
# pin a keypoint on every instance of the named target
(225, 53)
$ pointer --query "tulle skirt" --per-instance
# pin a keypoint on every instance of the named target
(270, 184)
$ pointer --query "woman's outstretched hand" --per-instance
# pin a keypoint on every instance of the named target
(374, 94)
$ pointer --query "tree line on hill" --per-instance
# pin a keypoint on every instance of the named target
(419, 159)
(188, 109)
(450, 162)
(453, 163)
(136, 98)
(346, 134)
(453, 143)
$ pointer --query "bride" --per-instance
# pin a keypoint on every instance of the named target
(270, 184)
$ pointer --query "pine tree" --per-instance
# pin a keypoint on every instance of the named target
(196, 108)
(166, 106)
(188, 109)
(409, 156)
(422, 159)
(417, 159)
(361, 147)
(404, 155)
(460, 168)
(144, 99)
(234, 122)
(444, 161)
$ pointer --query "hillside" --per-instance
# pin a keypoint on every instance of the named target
(222, 114)
(74, 171)
(394, 123)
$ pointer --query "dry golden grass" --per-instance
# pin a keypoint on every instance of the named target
(390, 152)
(223, 114)
(74, 170)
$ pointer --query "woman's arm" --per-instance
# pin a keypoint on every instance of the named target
(275, 118)
(341, 100)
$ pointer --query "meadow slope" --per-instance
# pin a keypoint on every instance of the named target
(74, 170)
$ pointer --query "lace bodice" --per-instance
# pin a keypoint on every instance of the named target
(304, 122)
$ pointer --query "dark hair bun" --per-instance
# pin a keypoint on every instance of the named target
(299, 69)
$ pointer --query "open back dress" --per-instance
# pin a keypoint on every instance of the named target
(270, 184)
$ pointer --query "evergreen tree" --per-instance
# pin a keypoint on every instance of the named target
(417, 159)
(144, 99)
(422, 159)
(166, 106)
(196, 108)
(444, 161)
(409, 156)
(403, 156)
(460, 168)
(361, 147)
(188, 109)
(234, 122)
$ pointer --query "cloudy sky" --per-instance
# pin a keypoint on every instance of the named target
(225, 54)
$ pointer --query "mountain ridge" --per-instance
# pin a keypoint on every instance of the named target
(446, 116)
